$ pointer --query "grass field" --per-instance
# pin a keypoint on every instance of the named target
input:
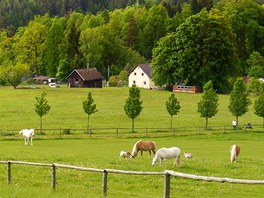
(210, 150)
(211, 158)
(17, 109)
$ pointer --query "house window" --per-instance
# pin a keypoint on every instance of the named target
(76, 80)
(134, 82)
(135, 73)
(144, 82)
(142, 74)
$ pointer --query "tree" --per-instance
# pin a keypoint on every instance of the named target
(207, 106)
(239, 100)
(255, 65)
(173, 107)
(52, 47)
(14, 74)
(133, 105)
(89, 108)
(201, 49)
(259, 106)
(41, 107)
(30, 46)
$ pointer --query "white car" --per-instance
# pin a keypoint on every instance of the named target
(53, 85)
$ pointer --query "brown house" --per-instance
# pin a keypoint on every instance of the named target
(89, 77)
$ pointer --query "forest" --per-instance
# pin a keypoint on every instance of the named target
(187, 42)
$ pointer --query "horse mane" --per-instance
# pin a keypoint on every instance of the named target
(135, 146)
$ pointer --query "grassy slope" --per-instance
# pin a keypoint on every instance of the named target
(17, 109)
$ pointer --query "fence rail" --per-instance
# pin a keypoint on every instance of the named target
(126, 132)
(166, 173)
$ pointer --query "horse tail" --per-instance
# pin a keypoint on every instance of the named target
(154, 147)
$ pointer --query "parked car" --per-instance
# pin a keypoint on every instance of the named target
(53, 85)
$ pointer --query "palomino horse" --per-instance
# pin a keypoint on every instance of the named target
(167, 153)
(28, 135)
(234, 152)
(144, 146)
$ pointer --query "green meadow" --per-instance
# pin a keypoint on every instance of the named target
(211, 158)
(210, 150)
(17, 109)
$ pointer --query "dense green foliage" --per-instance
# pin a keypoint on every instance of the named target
(239, 100)
(207, 42)
(173, 107)
(259, 106)
(201, 49)
(207, 106)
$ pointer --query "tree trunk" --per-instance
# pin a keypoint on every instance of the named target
(133, 125)
(171, 123)
(41, 125)
(236, 122)
(88, 120)
(206, 122)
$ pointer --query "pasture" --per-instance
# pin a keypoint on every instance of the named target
(17, 109)
(211, 158)
(210, 151)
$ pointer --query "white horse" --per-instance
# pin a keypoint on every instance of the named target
(28, 135)
(167, 153)
(234, 152)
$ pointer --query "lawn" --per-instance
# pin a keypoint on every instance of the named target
(211, 158)
(210, 150)
(17, 109)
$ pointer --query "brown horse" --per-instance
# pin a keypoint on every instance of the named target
(144, 146)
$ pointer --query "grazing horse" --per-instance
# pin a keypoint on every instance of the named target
(144, 146)
(125, 154)
(234, 152)
(28, 135)
(167, 153)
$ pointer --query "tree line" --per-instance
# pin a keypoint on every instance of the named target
(207, 106)
(191, 43)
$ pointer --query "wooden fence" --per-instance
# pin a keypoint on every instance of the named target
(166, 173)
(142, 132)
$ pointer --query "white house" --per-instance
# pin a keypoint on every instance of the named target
(141, 77)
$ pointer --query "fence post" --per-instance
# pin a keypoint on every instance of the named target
(146, 132)
(8, 172)
(53, 176)
(116, 132)
(104, 183)
(60, 133)
(166, 185)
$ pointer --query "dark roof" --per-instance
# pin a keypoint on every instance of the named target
(88, 74)
(146, 68)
